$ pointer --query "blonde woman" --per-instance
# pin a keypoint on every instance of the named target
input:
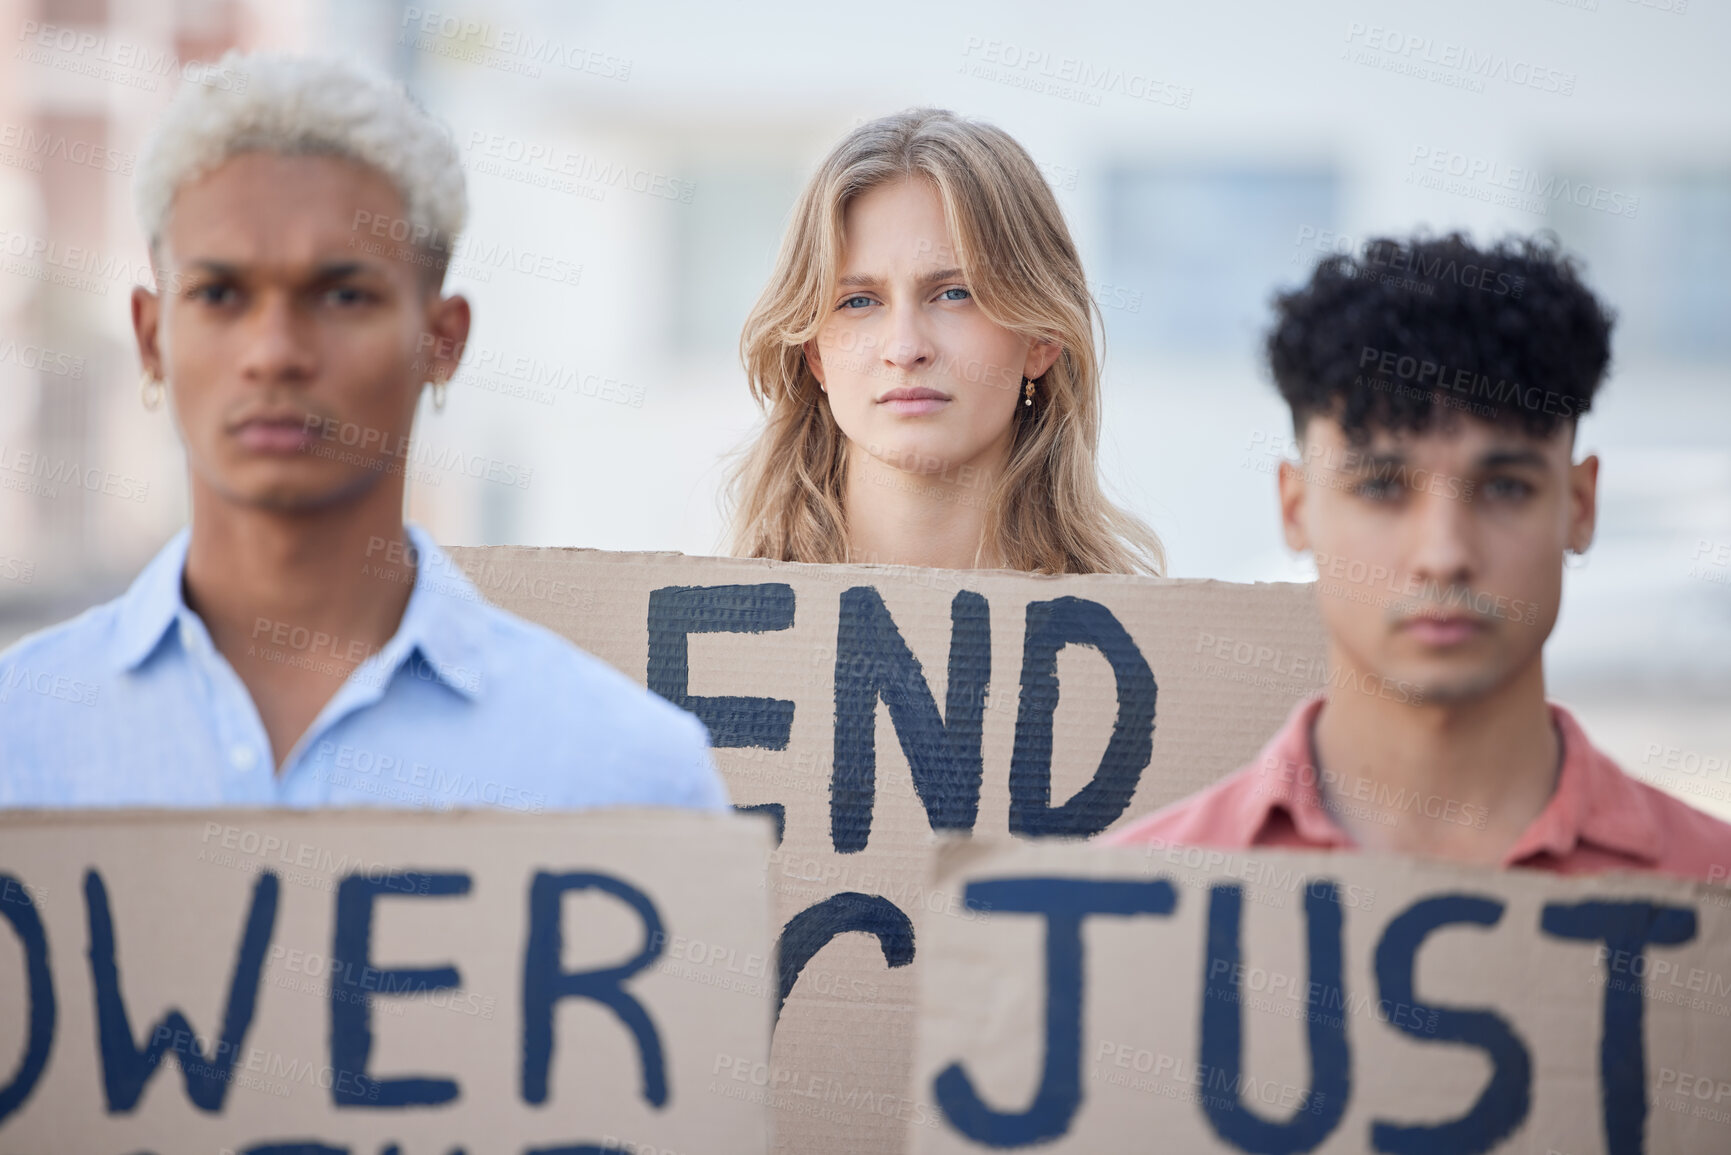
(925, 356)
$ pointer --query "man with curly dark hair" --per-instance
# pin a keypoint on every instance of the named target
(1434, 389)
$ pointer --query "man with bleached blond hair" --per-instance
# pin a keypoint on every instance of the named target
(298, 644)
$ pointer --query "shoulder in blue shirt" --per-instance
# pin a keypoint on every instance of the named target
(130, 704)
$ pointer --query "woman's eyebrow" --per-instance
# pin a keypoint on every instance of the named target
(872, 281)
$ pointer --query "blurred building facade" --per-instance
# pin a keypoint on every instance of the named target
(632, 167)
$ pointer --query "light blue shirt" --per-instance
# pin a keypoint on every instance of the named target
(130, 704)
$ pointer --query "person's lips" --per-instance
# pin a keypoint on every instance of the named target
(1443, 629)
(913, 400)
(275, 432)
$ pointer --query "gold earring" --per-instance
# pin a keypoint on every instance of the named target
(150, 389)
(1027, 391)
(439, 394)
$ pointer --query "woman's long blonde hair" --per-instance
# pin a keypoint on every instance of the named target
(1047, 513)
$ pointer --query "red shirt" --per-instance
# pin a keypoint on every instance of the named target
(1598, 818)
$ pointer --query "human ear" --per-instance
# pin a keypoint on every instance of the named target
(1583, 502)
(146, 329)
(1292, 490)
(1042, 355)
(814, 362)
(448, 322)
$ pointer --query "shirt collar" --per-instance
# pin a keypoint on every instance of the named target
(1287, 788)
(151, 605)
(440, 623)
(1594, 802)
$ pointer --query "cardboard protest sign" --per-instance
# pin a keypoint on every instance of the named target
(867, 707)
(313, 983)
(1282, 1002)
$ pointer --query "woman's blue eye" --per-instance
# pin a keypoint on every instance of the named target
(857, 302)
(945, 295)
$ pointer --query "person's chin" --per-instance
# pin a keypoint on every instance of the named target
(294, 490)
(913, 449)
(1453, 681)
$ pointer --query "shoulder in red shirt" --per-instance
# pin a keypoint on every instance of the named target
(1598, 819)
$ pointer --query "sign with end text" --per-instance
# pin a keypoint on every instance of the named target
(870, 708)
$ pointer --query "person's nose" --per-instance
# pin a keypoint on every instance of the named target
(278, 347)
(908, 339)
(1441, 542)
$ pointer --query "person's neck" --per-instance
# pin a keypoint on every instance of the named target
(1460, 780)
(303, 568)
(295, 601)
(896, 517)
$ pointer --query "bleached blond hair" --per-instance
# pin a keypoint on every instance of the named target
(305, 106)
(1047, 513)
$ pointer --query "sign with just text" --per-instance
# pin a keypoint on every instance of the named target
(1280, 1002)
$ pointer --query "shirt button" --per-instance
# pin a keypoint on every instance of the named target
(242, 757)
(186, 635)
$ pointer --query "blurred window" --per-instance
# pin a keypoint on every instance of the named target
(1198, 252)
(726, 243)
(1666, 269)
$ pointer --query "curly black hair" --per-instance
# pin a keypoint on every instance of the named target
(1384, 340)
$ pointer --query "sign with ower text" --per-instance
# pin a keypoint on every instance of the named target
(373, 982)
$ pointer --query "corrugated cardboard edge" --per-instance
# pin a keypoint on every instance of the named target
(957, 855)
(611, 819)
(471, 557)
